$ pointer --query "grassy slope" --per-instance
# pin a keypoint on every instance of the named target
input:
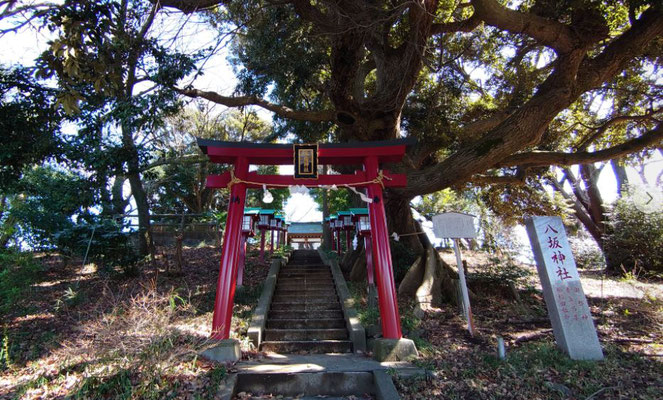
(81, 335)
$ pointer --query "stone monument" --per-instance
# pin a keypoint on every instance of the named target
(566, 302)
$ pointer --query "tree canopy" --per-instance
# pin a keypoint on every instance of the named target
(492, 91)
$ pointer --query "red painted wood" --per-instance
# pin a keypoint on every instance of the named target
(242, 261)
(225, 288)
(384, 274)
(284, 155)
(369, 259)
(221, 181)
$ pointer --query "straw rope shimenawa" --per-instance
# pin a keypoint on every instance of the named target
(234, 179)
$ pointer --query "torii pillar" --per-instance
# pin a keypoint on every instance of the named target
(384, 273)
(232, 238)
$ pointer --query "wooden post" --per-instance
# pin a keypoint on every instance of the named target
(391, 326)
(467, 309)
(225, 288)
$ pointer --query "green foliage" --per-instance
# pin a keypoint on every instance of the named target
(500, 271)
(5, 358)
(48, 199)
(116, 386)
(283, 251)
(259, 69)
(18, 271)
(29, 122)
(586, 253)
(109, 246)
(337, 200)
(635, 239)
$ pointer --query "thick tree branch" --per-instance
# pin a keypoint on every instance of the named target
(543, 158)
(547, 32)
(621, 51)
(482, 180)
(467, 25)
(239, 101)
(191, 159)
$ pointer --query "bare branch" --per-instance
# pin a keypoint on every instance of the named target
(239, 101)
(543, 158)
(600, 130)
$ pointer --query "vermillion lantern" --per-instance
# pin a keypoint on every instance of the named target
(361, 221)
(249, 220)
(345, 219)
(263, 225)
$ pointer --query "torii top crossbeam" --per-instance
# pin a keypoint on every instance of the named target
(328, 153)
(282, 154)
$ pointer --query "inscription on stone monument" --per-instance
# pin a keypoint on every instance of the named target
(566, 302)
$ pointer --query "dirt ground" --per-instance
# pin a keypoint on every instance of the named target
(81, 334)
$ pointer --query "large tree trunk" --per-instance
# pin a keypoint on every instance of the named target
(138, 191)
(619, 170)
(429, 280)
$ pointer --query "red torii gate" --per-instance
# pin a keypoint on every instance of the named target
(372, 178)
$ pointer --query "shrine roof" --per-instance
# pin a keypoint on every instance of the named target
(305, 228)
(281, 154)
(359, 211)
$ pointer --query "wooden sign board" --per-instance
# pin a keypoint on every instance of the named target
(454, 225)
(567, 305)
(306, 161)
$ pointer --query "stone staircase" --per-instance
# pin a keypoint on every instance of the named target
(305, 315)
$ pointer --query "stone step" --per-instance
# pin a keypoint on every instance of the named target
(316, 347)
(304, 286)
(279, 298)
(308, 386)
(309, 277)
(306, 293)
(306, 271)
(305, 323)
(304, 281)
(320, 314)
(288, 335)
(303, 306)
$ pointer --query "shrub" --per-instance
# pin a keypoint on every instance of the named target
(635, 239)
(586, 252)
(18, 271)
(109, 247)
